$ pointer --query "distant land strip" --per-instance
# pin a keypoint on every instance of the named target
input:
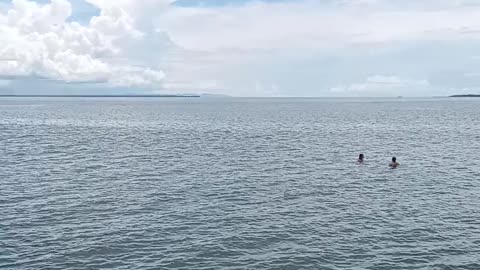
(470, 95)
(106, 96)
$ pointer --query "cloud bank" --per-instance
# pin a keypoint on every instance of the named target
(320, 24)
(38, 40)
(246, 48)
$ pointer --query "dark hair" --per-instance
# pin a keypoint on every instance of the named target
(394, 159)
(360, 156)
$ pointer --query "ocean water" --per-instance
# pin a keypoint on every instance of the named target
(239, 183)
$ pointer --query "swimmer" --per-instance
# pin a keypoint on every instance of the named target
(394, 164)
(361, 158)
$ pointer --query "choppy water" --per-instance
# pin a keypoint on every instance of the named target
(239, 184)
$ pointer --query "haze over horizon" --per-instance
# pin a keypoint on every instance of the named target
(318, 48)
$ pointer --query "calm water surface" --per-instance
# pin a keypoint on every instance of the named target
(239, 184)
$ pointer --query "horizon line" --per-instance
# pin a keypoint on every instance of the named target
(211, 95)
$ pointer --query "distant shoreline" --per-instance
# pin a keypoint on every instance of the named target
(103, 96)
(470, 95)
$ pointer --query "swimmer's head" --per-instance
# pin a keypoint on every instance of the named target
(361, 157)
(394, 159)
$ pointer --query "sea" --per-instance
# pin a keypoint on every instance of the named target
(239, 183)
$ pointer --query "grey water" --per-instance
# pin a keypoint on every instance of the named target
(138, 183)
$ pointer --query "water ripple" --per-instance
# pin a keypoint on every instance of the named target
(235, 184)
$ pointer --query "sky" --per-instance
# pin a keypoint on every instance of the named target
(305, 48)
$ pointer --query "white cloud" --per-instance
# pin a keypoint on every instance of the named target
(308, 47)
(315, 24)
(38, 40)
(255, 48)
(380, 85)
